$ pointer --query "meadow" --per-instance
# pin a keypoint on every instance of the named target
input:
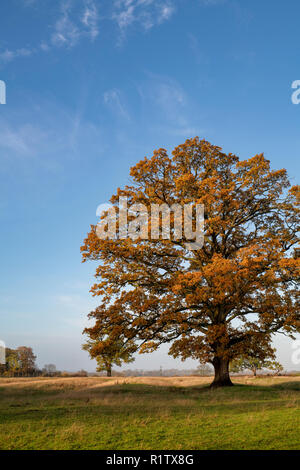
(158, 413)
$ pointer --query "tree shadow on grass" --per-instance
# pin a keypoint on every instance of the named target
(292, 386)
(136, 400)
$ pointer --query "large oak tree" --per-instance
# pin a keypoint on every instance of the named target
(217, 302)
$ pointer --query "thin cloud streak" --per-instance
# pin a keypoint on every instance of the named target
(144, 13)
(68, 30)
(112, 98)
(9, 55)
(70, 27)
(76, 24)
(171, 105)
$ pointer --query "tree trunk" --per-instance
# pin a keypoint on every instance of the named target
(254, 372)
(222, 378)
(108, 370)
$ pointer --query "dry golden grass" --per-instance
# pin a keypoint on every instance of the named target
(149, 413)
(95, 382)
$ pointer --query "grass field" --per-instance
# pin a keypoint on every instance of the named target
(149, 413)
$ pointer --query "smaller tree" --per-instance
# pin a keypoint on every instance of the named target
(12, 362)
(254, 364)
(82, 373)
(275, 366)
(203, 370)
(11, 365)
(26, 360)
(107, 353)
(49, 369)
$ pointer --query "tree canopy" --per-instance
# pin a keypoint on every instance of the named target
(216, 302)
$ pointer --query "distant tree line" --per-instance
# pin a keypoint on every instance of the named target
(202, 370)
(117, 353)
(19, 362)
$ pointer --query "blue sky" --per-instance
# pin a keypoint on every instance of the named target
(92, 87)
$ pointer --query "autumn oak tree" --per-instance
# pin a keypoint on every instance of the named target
(217, 302)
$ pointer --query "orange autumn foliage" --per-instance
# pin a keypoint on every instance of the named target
(222, 300)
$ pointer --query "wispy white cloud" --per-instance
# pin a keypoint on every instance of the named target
(197, 49)
(167, 94)
(31, 134)
(170, 103)
(70, 27)
(8, 55)
(80, 19)
(66, 33)
(124, 14)
(146, 13)
(76, 21)
(44, 46)
(22, 140)
(90, 18)
(166, 11)
(113, 99)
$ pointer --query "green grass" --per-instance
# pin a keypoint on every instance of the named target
(79, 415)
